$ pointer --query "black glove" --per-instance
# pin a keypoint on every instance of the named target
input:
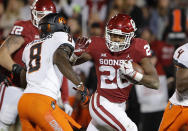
(4, 80)
(84, 92)
(15, 76)
(85, 96)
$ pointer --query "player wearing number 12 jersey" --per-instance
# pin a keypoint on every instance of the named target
(22, 33)
(112, 56)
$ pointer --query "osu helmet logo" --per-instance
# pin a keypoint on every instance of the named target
(61, 20)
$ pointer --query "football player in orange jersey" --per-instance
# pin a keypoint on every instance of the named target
(175, 117)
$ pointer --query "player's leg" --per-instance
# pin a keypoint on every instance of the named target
(110, 114)
(26, 125)
(3, 127)
(9, 97)
(92, 127)
(44, 112)
(181, 120)
(169, 116)
(59, 117)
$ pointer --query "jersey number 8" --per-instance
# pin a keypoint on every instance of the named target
(34, 63)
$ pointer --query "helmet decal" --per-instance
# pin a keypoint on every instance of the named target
(61, 20)
(53, 22)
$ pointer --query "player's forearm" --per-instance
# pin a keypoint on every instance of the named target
(65, 67)
(5, 59)
(83, 58)
(9, 46)
(150, 81)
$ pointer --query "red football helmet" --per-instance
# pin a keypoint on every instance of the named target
(41, 8)
(122, 25)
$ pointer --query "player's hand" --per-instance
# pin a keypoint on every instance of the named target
(127, 71)
(68, 109)
(85, 96)
(18, 75)
(81, 45)
(84, 92)
(126, 68)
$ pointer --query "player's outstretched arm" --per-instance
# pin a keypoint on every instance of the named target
(9, 46)
(182, 79)
(61, 59)
(150, 78)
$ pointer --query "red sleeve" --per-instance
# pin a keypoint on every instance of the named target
(142, 48)
(18, 28)
(64, 90)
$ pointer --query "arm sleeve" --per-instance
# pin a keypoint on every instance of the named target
(19, 29)
(143, 49)
(64, 38)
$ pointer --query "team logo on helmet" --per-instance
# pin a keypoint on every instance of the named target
(62, 20)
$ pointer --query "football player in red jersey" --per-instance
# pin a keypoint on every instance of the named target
(112, 57)
(11, 50)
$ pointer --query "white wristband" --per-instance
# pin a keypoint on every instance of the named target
(138, 76)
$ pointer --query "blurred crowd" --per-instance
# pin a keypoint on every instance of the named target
(163, 23)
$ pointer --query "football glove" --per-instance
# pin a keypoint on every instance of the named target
(126, 68)
(81, 45)
(84, 92)
(68, 109)
(16, 73)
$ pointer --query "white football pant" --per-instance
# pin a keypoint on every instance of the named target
(9, 97)
(106, 114)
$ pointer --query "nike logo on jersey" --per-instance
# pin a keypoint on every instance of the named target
(128, 57)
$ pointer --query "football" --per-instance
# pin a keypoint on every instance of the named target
(137, 68)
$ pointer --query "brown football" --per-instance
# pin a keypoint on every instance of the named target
(138, 68)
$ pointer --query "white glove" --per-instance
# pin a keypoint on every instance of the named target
(68, 109)
(126, 69)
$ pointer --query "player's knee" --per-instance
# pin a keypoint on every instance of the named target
(131, 127)
(3, 126)
(7, 120)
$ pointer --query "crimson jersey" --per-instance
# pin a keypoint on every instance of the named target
(29, 32)
(107, 66)
(164, 52)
